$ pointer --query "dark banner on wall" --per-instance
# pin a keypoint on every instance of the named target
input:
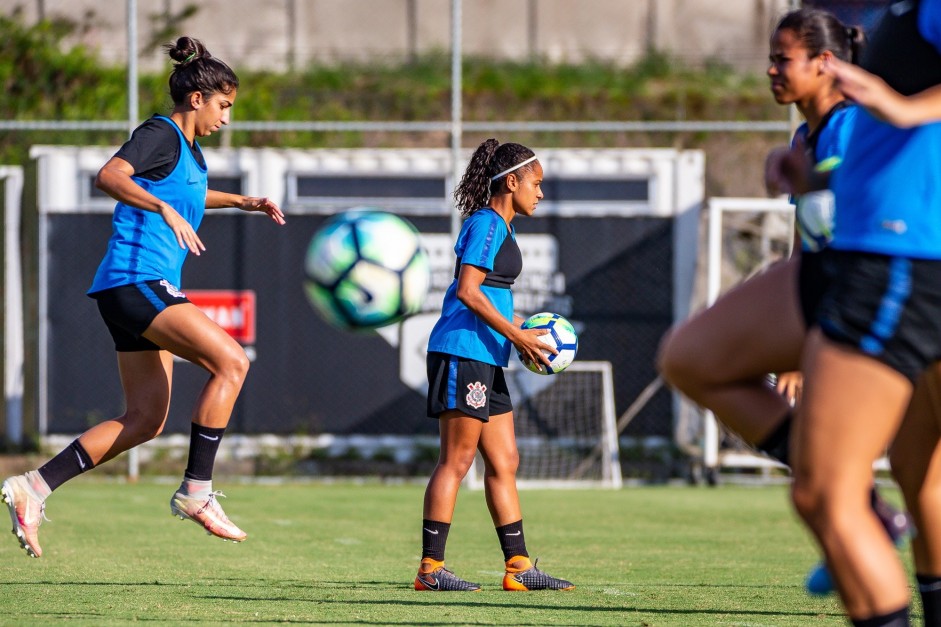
(612, 276)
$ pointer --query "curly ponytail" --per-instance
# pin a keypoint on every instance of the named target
(490, 159)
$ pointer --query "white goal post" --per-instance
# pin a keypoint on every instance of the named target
(712, 457)
(565, 428)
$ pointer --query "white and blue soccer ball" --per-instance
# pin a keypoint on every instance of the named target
(561, 336)
(814, 217)
(366, 269)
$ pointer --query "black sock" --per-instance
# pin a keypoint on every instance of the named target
(512, 540)
(930, 589)
(778, 444)
(434, 535)
(72, 461)
(204, 442)
(898, 618)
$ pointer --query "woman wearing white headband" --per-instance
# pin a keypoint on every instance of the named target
(468, 349)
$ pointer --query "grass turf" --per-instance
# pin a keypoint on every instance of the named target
(346, 554)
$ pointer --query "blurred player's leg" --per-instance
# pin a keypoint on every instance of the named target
(918, 471)
(833, 471)
(720, 357)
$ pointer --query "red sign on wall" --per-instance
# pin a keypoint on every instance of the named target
(233, 310)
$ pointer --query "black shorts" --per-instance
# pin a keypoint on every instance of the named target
(471, 387)
(886, 307)
(129, 309)
(812, 284)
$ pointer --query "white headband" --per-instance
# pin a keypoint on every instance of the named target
(515, 167)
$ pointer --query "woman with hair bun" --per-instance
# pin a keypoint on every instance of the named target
(721, 357)
(467, 351)
(159, 180)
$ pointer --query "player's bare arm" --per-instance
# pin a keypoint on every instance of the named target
(526, 341)
(218, 200)
(884, 102)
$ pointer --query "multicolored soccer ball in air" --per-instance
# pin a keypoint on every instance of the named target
(366, 269)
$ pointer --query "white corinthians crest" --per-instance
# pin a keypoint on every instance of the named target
(172, 289)
(477, 397)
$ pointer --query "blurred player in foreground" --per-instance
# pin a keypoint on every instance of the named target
(720, 358)
(877, 330)
(159, 179)
(468, 349)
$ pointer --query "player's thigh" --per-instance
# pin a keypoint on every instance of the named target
(498, 442)
(147, 379)
(459, 435)
(186, 331)
(851, 408)
(915, 454)
(755, 328)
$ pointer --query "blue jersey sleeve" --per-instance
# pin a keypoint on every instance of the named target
(480, 239)
(929, 22)
(835, 137)
(800, 135)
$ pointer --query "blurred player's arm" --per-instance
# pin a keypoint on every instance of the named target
(791, 171)
(526, 341)
(881, 100)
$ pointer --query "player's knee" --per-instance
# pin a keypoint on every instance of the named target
(825, 506)
(143, 426)
(674, 360)
(664, 358)
(503, 465)
(809, 501)
(457, 462)
(234, 365)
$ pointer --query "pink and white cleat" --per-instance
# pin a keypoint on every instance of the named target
(27, 511)
(206, 511)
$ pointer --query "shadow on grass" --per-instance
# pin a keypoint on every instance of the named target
(529, 606)
(420, 601)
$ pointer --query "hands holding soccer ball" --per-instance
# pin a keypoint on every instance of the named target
(533, 350)
(555, 346)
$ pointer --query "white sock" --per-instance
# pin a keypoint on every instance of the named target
(192, 487)
(38, 484)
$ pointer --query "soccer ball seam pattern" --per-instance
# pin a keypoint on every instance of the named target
(561, 334)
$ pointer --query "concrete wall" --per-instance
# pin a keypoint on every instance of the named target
(277, 34)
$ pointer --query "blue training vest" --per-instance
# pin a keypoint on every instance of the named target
(142, 246)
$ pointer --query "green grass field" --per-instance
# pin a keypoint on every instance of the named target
(347, 554)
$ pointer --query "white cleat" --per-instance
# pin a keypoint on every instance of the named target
(207, 512)
(27, 511)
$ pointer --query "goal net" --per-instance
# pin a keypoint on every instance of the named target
(565, 428)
